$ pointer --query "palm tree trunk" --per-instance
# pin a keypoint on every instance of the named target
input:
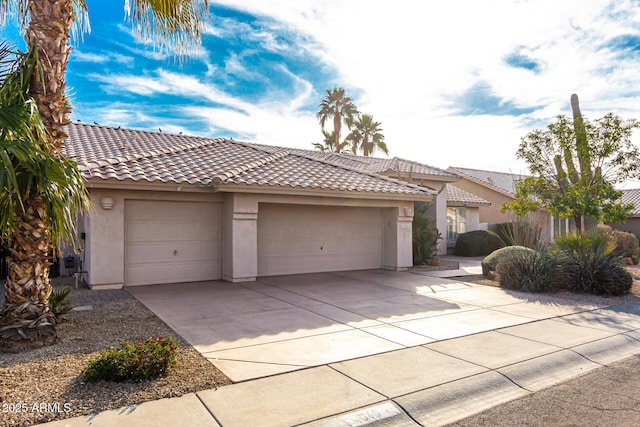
(25, 319)
(337, 122)
(49, 29)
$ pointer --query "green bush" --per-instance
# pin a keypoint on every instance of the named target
(133, 362)
(425, 237)
(477, 243)
(588, 264)
(494, 258)
(60, 301)
(528, 271)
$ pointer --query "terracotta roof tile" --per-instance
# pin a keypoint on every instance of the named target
(125, 154)
(457, 196)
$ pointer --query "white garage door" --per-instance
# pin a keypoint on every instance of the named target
(307, 239)
(170, 242)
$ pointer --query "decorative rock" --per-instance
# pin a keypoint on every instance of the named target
(491, 275)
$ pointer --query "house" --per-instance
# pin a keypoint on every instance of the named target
(632, 225)
(453, 209)
(495, 187)
(498, 188)
(463, 213)
(176, 208)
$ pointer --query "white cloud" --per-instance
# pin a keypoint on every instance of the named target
(410, 59)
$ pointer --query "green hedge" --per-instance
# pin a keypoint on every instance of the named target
(478, 243)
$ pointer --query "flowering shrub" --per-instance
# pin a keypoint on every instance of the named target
(147, 359)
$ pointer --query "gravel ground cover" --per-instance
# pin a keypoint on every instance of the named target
(44, 384)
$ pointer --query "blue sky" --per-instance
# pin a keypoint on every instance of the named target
(453, 83)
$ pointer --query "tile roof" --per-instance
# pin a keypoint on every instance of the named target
(126, 154)
(457, 196)
(632, 196)
(500, 181)
(372, 164)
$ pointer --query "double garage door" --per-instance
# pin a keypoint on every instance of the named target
(304, 239)
(171, 242)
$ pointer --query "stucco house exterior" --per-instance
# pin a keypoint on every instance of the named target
(494, 187)
(175, 208)
(463, 213)
(632, 225)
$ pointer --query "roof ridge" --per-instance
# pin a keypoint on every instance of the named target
(364, 172)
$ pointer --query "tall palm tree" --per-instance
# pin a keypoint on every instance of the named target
(47, 24)
(340, 108)
(367, 136)
(40, 195)
(329, 143)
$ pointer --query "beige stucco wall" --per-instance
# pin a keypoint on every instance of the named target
(104, 250)
(632, 226)
(104, 244)
(438, 211)
(489, 214)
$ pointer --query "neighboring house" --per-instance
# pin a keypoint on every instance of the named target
(173, 208)
(632, 225)
(463, 213)
(495, 187)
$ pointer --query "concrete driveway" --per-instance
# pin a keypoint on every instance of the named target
(281, 324)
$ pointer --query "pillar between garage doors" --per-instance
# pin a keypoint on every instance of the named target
(397, 249)
(240, 238)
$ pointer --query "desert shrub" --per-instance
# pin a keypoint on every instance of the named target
(505, 231)
(528, 271)
(425, 237)
(494, 258)
(60, 301)
(588, 264)
(477, 243)
(626, 244)
(526, 230)
(133, 362)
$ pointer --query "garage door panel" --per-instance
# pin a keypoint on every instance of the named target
(301, 239)
(169, 242)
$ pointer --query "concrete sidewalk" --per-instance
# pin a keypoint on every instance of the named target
(432, 384)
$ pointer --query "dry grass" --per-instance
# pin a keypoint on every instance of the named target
(51, 374)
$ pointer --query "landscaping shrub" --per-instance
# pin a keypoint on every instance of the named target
(477, 243)
(425, 237)
(626, 244)
(494, 258)
(528, 271)
(133, 362)
(60, 301)
(588, 264)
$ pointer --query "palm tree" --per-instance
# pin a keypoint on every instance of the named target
(340, 108)
(47, 24)
(40, 195)
(329, 143)
(367, 136)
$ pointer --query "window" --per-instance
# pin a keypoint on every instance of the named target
(456, 223)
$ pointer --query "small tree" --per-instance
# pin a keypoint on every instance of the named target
(575, 165)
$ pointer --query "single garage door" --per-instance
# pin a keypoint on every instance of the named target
(308, 239)
(170, 242)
